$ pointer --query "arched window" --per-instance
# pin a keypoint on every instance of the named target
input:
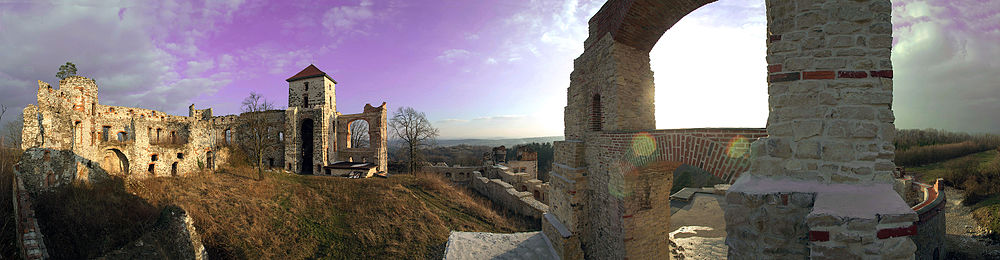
(595, 113)
(122, 136)
(281, 136)
(229, 136)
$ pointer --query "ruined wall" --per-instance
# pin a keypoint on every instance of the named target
(377, 150)
(460, 174)
(507, 196)
(125, 140)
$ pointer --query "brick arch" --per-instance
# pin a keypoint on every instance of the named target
(725, 153)
(639, 23)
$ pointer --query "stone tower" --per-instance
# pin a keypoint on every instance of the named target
(311, 115)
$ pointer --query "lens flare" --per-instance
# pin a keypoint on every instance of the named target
(738, 146)
(643, 145)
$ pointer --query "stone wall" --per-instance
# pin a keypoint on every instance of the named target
(930, 237)
(30, 240)
(508, 197)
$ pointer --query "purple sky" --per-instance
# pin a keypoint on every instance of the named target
(478, 69)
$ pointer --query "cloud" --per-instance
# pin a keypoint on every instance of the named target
(491, 61)
(944, 60)
(449, 56)
(347, 18)
(137, 54)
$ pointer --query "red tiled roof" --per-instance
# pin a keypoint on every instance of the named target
(310, 72)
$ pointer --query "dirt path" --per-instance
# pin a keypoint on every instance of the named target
(963, 240)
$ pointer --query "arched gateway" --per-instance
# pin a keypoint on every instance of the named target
(828, 141)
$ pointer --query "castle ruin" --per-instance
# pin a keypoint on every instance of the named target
(308, 137)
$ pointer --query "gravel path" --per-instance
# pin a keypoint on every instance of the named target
(963, 239)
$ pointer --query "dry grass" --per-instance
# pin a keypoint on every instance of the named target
(292, 217)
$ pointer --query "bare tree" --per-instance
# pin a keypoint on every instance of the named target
(13, 133)
(414, 130)
(359, 134)
(254, 135)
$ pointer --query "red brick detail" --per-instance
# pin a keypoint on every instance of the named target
(826, 74)
(897, 232)
(773, 38)
(881, 73)
(852, 74)
(627, 216)
(782, 77)
(819, 236)
(774, 68)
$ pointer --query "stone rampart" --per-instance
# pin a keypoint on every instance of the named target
(930, 237)
(508, 197)
(30, 240)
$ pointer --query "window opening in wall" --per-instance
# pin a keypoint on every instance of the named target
(229, 136)
(306, 84)
(105, 131)
(447, 175)
(149, 133)
(122, 136)
(358, 130)
(305, 101)
(152, 168)
(173, 137)
(595, 113)
(270, 162)
(158, 134)
(173, 169)
(153, 157)
(328, 172)
(281, 136)
(180, 155)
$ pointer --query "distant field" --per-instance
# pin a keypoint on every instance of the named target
(930, 172)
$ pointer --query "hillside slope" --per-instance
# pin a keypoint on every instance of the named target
(288, 216)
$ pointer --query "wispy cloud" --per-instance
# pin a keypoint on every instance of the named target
(451, 55)
(346, 18)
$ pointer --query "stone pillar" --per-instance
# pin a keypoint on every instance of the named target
(820, 184)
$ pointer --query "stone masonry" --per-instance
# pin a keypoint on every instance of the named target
(819, 184)
(138, 142)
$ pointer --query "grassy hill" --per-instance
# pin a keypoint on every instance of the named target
(290, 216)
(284, 216)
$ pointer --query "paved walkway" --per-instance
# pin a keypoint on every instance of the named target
(698, 228)
(482, 245)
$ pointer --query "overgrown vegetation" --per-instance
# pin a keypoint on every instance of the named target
(292, 217)
(918, 147)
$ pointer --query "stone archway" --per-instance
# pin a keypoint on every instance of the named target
(115, 162)
(830, 130)
(307, 146)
